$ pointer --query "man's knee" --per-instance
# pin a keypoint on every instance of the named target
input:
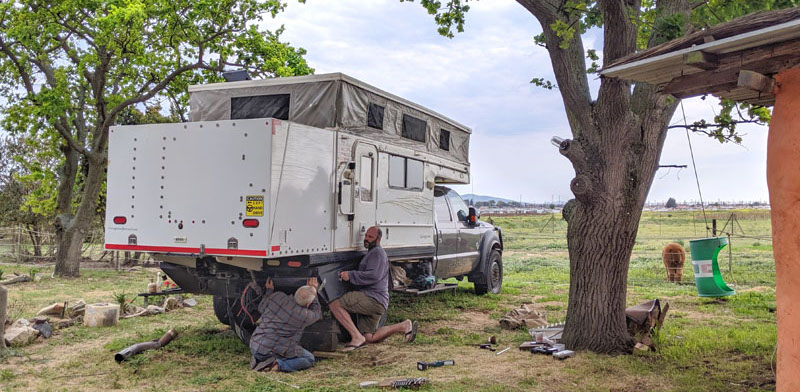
(334, 304)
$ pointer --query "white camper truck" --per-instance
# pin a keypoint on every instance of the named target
(281, 178)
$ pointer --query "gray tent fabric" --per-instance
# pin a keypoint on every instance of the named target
(340, 102)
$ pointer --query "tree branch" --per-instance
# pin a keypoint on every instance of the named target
(569, 64)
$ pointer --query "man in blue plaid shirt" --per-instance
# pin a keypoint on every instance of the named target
(274, 343)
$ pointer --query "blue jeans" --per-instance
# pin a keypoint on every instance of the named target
(304, 361)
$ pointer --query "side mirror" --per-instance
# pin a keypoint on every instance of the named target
(473, 216)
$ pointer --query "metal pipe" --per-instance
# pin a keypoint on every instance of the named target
(141, 347)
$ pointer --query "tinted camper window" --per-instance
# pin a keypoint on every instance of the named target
(260, 106)
(406, 173)
(414, 128)
(375, 116)
(444, 140)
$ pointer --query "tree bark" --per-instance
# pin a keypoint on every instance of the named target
(68, 255)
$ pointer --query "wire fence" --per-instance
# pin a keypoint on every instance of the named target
(23, 245)
(536, 246)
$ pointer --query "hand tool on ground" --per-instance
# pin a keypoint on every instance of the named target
(562, 355)
(503, 350)
(544, 350)
(395, 383)
(426, 365)
(486, 346)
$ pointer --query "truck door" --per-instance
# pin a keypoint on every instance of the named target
(364, 194)
(446, 237)
(468, 237)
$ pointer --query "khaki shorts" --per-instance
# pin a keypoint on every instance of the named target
(367, 309)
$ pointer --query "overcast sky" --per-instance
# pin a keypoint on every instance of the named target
(481, 79)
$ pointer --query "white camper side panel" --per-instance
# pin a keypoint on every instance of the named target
(184, 188)
(302, 189)
(405, 216)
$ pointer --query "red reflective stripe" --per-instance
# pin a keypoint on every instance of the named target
(179, 249)
(293, 264)
(120, 220)
(276, 248)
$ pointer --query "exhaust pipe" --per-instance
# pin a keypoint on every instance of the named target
(141, 347)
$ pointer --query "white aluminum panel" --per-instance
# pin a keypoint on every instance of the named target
(302, 190)
(183, 187)
(407, 215)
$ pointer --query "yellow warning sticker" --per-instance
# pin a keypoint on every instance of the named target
(255, 206)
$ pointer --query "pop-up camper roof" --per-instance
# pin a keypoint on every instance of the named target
(334, 101)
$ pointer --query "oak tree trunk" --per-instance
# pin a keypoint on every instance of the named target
(617, 144)
(70, 243)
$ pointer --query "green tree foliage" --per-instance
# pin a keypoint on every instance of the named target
(70, 68)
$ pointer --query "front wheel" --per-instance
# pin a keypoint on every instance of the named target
(492, 277)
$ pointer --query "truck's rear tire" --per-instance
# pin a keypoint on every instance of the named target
(492, 278)
(221, 309)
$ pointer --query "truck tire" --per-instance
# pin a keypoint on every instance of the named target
(492, 278)
(221, 310)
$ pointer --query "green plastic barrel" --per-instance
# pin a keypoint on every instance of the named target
(706, 269)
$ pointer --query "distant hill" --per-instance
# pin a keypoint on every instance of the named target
(482, 199)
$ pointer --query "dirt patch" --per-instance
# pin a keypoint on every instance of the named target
(467, 321)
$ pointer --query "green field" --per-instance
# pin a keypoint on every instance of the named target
(705, 345)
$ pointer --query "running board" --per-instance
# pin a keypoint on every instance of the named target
(438, 287)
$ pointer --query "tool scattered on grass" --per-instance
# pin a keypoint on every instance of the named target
(426, 365)
(141, 347)
(396, 383)
(486, 346)
(503, 350)
(562, 355)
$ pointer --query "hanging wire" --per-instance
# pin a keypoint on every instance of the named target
(694, 166)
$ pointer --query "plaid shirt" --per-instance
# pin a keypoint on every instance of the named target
(281, 324)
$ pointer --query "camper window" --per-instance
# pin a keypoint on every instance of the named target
(365, 180)
(406, 173)
(414, 128)
(375, 116)
(260, 106)
(444, 140)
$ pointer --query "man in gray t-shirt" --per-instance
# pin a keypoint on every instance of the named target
(370, 302)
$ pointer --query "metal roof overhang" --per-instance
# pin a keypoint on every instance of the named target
(668, 67)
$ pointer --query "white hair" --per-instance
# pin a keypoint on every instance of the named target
(305, 295)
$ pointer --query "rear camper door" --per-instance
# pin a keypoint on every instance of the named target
(364, 192)
(199, 187)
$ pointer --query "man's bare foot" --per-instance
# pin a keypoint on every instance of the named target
(355, 344)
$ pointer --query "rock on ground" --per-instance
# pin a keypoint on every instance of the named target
(20, 336)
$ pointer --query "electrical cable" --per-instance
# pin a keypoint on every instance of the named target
(241, 302)
(694, 166)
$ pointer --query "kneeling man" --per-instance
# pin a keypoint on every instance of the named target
(274, 343)
(370, 302)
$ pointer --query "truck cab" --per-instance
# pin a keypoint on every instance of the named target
(465, 245)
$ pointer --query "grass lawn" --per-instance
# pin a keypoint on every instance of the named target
(705, 345)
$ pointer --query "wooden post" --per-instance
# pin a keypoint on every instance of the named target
(783, 181)
(3, 306)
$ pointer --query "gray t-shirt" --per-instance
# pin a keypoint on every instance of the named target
(373, 275)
